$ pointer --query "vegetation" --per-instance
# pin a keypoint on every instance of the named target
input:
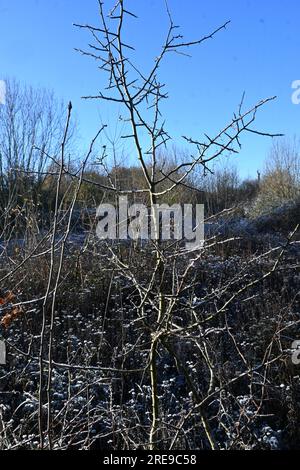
(134, 345)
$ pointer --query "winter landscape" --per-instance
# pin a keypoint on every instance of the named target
(134, 342)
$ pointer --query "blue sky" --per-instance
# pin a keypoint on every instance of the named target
(258, 53)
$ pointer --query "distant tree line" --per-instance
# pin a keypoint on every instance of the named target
(31, 126)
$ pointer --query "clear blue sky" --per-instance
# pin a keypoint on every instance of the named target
(259, 53)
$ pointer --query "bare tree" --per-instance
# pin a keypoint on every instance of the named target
(30, 125)
(280, 183)
(178, 309)
(141, 95)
